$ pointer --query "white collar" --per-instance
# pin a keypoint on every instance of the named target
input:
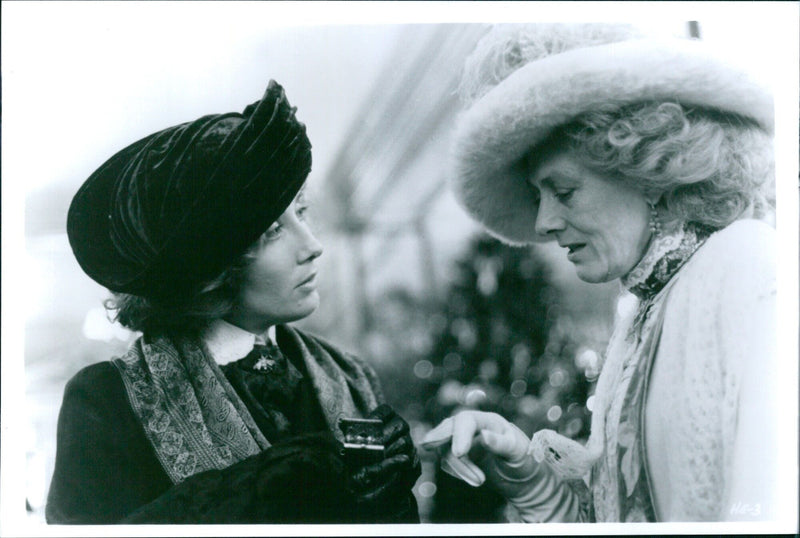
(227, 342)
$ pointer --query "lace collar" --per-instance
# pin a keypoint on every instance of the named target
(664, 257)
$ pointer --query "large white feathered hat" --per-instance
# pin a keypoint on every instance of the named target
(526, 80)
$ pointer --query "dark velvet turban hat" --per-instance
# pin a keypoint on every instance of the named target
(172, 211)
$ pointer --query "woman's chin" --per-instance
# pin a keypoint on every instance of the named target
(309, 305)
(593, 275)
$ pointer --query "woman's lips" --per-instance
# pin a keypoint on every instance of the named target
(309, 280)
(574, 250)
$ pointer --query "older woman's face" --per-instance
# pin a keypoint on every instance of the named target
(279, 285)
(603, 224)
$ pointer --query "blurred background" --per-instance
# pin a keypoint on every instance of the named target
(449, 317)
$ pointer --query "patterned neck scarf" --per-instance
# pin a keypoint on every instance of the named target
(194, 418)
(664, 257)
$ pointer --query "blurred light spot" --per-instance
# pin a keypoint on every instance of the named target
(450, 393)
(518, 388)
(521, 357)
(97, 326)
(464, 333)
(573, 427)
(500, 331)
(427, 489)
(528, 405)
(420, 343)
(554, 413)
(520, 361)
(587, 358)
(487, 280)
(590, 403)
(423, 369)
(589, 361)
(557, 377)
(488, 369)
(452, 361)
(475, 397)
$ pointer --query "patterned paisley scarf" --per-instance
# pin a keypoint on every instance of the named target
(195, 420)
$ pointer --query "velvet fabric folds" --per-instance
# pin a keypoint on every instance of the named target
(173, 210)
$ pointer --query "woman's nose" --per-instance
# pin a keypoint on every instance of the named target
(547, 218)
(310, 248)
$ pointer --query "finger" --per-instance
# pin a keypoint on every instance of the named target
(440, 435)
(387, 465)
(383, 412)
(394, 429)
(403, 445)
(469, 423)
(504, 446)
(379, 489)
(464, 429)
(463, 469)
(371, 478)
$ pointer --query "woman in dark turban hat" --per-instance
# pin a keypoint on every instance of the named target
(219, 412)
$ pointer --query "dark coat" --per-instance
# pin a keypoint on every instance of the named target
(106, 470)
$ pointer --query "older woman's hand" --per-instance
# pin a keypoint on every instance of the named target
(485, 447)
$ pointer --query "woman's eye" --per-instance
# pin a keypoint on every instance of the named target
(273, 231)
(301, 212)
(564, 196)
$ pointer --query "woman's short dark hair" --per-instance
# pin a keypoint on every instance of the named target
(215, 300)
(707, 167)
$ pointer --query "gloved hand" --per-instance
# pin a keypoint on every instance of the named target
(485, 447)
(383, 489)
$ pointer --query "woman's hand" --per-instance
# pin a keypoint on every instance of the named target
(383, 489)
(483, 446)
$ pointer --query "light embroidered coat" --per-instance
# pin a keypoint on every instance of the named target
(709, 416)
(711, 412)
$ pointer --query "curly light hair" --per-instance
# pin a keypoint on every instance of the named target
(703, 166)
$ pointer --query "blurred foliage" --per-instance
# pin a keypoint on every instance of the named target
(498, 340)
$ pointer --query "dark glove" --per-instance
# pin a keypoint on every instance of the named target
(383, 490)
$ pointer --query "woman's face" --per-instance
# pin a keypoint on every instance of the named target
(603, 224)
(279, 284)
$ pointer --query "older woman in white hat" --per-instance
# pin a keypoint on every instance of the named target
(650, 161)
